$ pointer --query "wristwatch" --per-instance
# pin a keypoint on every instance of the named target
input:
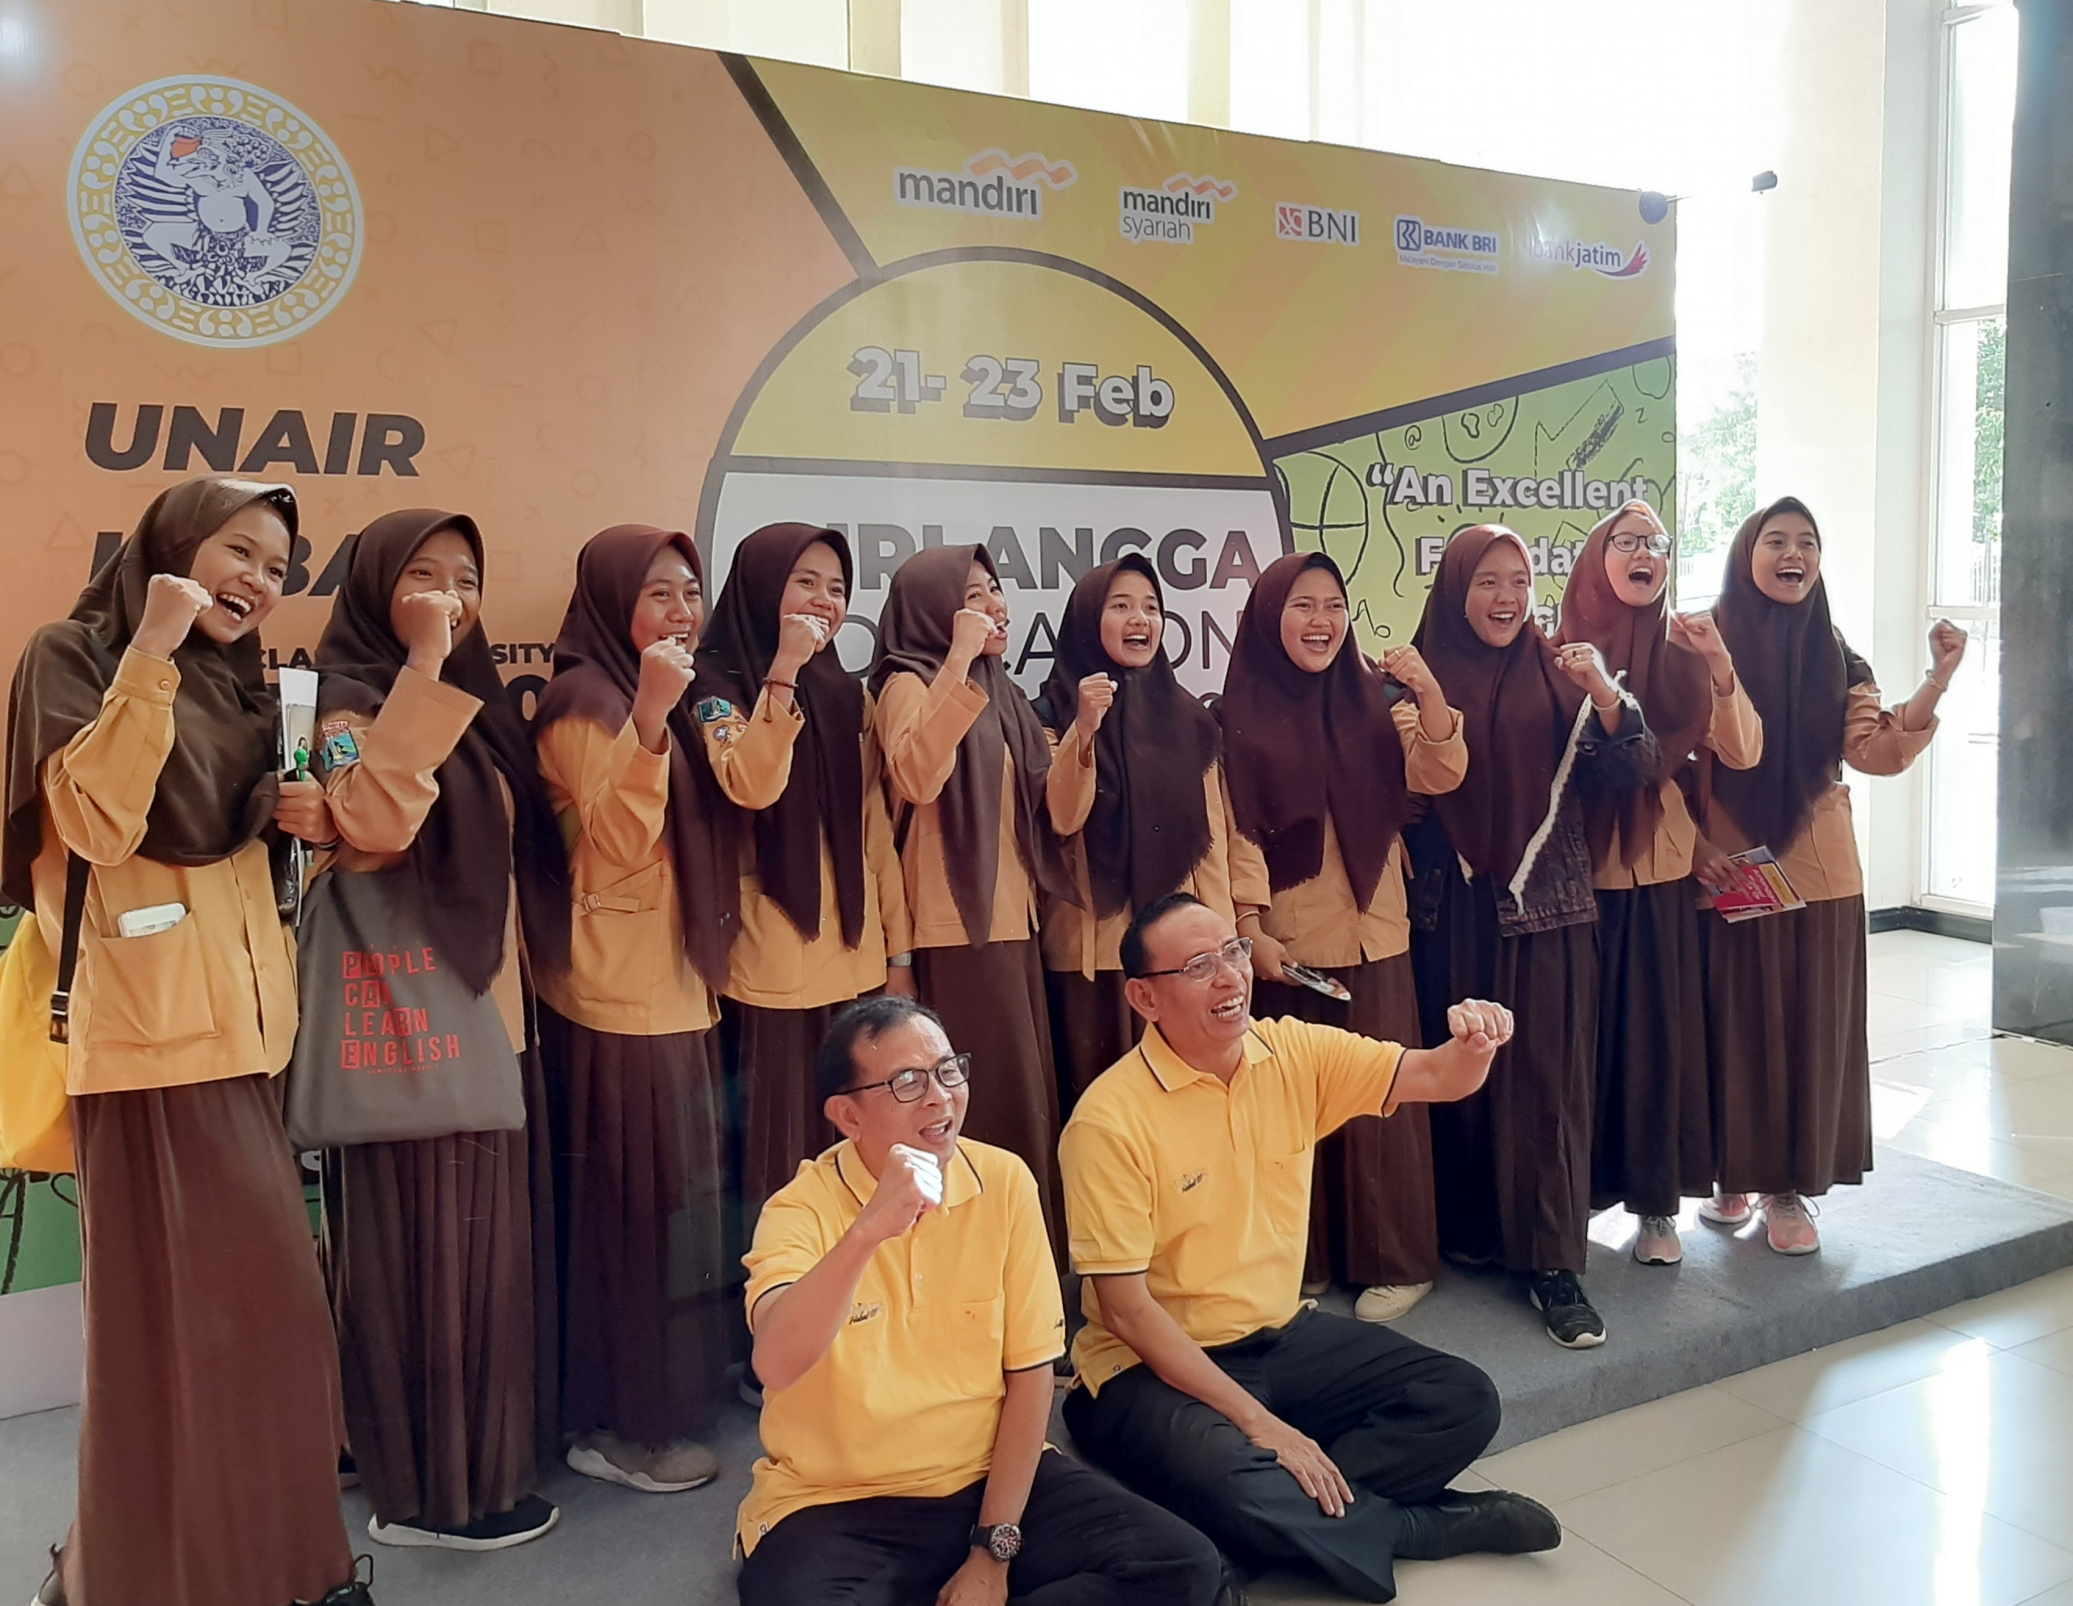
(1003, 1541)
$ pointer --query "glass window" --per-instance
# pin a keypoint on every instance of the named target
(1968, 467)
(1128, 56)
(1963, 773)
(1981, 132)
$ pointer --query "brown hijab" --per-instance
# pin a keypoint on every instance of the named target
(461, 869)
(1517, 711)
(597, 673)
(1798, 672)
(217, 788)
(826, 789)
(1150, 824)
(1301, 749)
(1671, 682)
(913, 636)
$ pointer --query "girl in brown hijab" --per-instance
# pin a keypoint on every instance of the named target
(1654, 1127)
(1137, 796)
(1786, 992)
(442, 1250)
(820, 889)
(633, 1080)
(968, 766)
(1505, 867)
(1323, 750)
(143, 748)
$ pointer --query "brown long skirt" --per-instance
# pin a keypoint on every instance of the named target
(1654, 1121)
(771, 1054)
(1373, 1216)
(637, 1140)
(992, 1003)
(1512, 1161)
(1092, 1026)
(209, 1436)
(1785, 1021)
(445, 1316)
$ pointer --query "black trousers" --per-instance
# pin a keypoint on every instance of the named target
(1085, 1542)
(1400, 1420)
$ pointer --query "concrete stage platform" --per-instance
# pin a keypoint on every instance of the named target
(1916, 1238)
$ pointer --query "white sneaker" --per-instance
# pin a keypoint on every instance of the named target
(1725, 1209)
(1789, 1224)
(670, 1470)
(527, 1520)
(1384, 1303)
(1656, 1243)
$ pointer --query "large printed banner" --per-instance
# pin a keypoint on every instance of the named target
(407, 256)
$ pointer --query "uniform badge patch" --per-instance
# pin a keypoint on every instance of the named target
(337, 747)
(713, 709)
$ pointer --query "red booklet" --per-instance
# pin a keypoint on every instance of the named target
(1760, 887)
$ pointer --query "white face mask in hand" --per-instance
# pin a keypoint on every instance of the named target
(928, 1173)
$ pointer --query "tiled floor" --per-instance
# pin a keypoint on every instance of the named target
(1932, 1462)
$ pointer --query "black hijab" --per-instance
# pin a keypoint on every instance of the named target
(826, 788)
(217, 788)
(460, 865)
(1150, 823)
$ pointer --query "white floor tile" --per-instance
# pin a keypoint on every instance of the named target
(1793, 1519)
(1991, 1430)
(1611, 1449)
(1856, 1369)
(1577, 1574)
(2014, 1316)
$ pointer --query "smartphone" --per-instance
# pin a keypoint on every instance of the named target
(1317, 981)
(149, 922)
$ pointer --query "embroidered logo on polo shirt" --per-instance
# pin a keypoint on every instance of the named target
(1192, 1181)
(861, 1312)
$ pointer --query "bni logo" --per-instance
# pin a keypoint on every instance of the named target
(1318, 224)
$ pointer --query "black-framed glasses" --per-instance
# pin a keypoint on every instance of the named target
(1237, 953)
(1656, 541)
(907, 1086)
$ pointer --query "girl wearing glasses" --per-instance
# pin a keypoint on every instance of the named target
(1136, 793)
(1323, 750)
(638, 1154)
(821, 898)
(1505, 883)
(1654, 1128)
(968, 765)
(1786, 993)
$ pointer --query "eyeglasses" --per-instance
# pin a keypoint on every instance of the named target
(1656, 541)
(908, 1085)
(1237, 953)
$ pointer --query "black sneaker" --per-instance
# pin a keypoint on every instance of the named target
(529, 1519)
(1495, 1521)
(353, 1592)
(1571, 1319)
(1231, 1587)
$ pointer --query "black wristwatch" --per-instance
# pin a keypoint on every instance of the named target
(1003, 1541)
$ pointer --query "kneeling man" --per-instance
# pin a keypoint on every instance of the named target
(906, 1317)
(1290, 1436)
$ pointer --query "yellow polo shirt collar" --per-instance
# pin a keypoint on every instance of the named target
(960, 1177)
(1174, 1073)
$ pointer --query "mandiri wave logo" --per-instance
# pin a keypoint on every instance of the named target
(1601, 258)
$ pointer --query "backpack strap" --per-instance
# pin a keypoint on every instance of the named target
(76, 872)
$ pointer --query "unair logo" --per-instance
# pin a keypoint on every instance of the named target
(215, 211)
(993, 184)
(1171, 212)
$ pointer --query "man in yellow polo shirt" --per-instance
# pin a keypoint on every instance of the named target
(1290, 1436)
(906, 1317)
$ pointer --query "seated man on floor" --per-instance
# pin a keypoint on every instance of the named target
(1290, 1436)
(906, 1316)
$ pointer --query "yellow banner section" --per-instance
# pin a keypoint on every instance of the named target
(1327, 282)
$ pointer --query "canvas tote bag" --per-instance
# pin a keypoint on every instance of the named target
(393, 1047)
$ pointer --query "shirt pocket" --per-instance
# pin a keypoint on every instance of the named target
(148, 992)
(620, 937)
(1284, 1199)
